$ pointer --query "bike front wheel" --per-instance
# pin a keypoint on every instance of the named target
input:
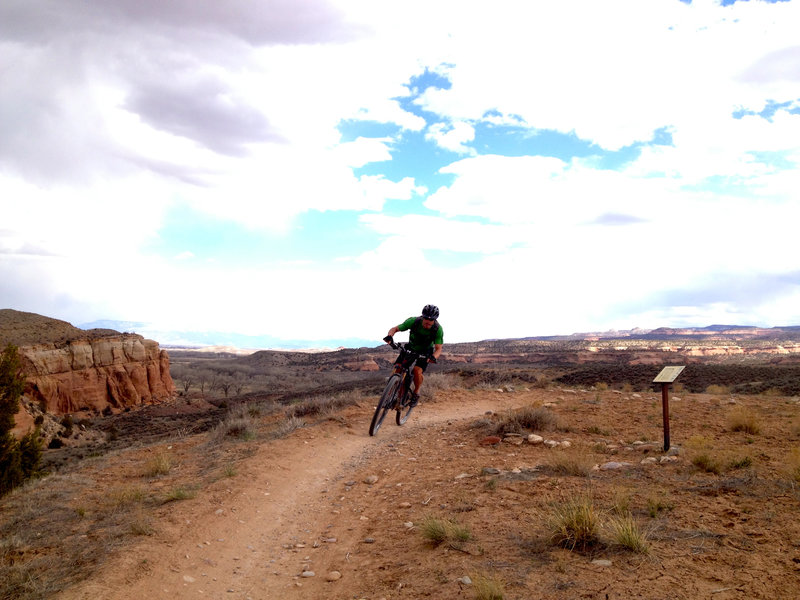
(404, 407)
(385, 404)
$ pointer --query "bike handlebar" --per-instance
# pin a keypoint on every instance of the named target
(401, 346)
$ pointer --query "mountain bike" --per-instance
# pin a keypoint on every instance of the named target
(397, 393)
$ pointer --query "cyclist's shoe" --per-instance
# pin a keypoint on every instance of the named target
(414, 399)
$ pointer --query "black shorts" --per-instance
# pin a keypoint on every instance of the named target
(421, 362)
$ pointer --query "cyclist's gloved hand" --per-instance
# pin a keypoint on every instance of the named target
(431, 358)
(388, 339)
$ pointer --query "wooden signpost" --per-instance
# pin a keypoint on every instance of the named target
(665, 378)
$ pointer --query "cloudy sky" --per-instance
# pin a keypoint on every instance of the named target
(321, 169)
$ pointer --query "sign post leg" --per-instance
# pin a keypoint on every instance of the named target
(665, 408)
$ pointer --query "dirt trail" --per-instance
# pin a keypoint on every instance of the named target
(301, 504)
(251, 536)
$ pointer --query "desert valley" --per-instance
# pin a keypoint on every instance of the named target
(533, 468)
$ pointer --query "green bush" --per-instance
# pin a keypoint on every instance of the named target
(18, 460)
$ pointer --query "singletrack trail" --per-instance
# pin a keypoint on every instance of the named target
(297, 504)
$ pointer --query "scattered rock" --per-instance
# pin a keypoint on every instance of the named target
(566, 444)
(674, 451)
(550, 443)
(611, 466)
(405, 505)
(349, 483)
(465, 580)
(650, 460)
(333, 576)
(307, 574)
(490, 440)
(463, 476)
(535, 439)
(408, 524)
(513, 439)
(189, 579)
(330, 540)
(371, 479)
(490, 471)
(667, 459)
(369, 540)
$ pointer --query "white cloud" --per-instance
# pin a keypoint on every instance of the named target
(452, 136)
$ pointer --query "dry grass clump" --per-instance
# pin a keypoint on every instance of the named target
(179, 493)
(744, 419)
(160, 464)
(657, 504)
(286, 427)
(575, 524)
(438, 531)
(441, 381)
(624, 533)
(323, 405)
(573, 461)
(718, 389)
(238, 423)
(527, 418)
(793, 466)
(487, 587)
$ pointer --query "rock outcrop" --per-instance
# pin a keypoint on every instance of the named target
(93, 375)
(69, 370)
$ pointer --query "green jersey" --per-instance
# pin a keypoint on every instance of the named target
(422, 340)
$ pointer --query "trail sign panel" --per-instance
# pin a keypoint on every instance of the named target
(665, 378)
(668, 374)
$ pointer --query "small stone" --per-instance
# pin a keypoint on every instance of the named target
(535, 439)
(465, 580)
(463, 475)
(369, 540)
(566, 444)
(601, 562)
(349, 483)
(408, 524)
(515, 440)
(307, 574)
(333, 576)
(490, 440)
(516, 471)
(667, 459)
(219, 511)
(371, 479)
(331, 540)
(550, 443)
(490, 471)
(650, 460)
(674, 451)
(405, 505)
(189, 579)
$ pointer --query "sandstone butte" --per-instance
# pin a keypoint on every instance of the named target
(73, 370)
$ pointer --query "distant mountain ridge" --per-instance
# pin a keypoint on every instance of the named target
(718, 332)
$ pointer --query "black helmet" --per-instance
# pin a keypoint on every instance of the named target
(430, 312)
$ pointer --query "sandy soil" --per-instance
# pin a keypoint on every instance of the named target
(301, 504)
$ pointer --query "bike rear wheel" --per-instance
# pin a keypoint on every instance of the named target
(385, 404)
(404, 407)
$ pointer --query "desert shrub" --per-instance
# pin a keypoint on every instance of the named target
(441, 381)
(287, 426)
(574, 461)
(744, 419)
(526, 418)
(621, 504)
(625, 533)
(601, 386)
(715, 388)
(487, 587)
(574, 524)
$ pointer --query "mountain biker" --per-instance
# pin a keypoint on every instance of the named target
(426, 339)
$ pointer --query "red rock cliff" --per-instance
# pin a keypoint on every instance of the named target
(119, 371)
